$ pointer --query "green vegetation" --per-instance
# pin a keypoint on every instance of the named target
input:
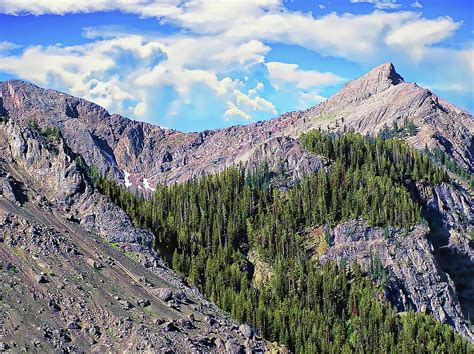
(439, 156)
(32, 124)
(407, 129)
(132, 255)
(206, 228)
(115, 245)
(379, 157)
(50, 134)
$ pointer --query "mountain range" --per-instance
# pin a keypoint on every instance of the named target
(62, 239)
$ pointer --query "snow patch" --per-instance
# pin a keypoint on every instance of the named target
(127, 181)
(147, 186)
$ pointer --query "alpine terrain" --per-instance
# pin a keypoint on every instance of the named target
(347, 227)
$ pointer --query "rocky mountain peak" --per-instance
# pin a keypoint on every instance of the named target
(375, 81)
(386, 73)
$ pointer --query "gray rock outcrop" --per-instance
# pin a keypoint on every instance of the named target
(416, 280)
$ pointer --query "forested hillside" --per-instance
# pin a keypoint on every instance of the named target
(206, 228)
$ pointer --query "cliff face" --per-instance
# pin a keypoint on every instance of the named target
(450, 213)
(140, 154)
(414, 278)
(78, 276)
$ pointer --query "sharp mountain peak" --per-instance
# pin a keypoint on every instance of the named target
(377, 80)
(387, 72)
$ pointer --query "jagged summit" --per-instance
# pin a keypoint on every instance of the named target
(385, 72)
(375, 81)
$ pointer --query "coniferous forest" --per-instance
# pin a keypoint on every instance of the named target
(208, 228)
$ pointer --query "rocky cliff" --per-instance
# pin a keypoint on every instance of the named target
(78, 276)
(413, 279)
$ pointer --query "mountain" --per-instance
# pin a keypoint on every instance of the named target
(143, 154)
(69, 240)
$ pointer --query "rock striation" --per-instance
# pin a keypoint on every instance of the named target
(415, 279)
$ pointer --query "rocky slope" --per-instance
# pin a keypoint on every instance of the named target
(381, 98)
(140, 154)
(77, 276)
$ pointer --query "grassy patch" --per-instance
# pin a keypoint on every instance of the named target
(18, 252)
(134, 256)
(114, 245)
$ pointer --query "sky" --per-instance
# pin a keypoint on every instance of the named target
(201, 64)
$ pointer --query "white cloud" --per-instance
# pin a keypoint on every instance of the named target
(233, 111)
(241, 38)
(42, 7)
(321, 6)
(354, 37)
(8, 46)
(252, 51)
(380, 4)
(417, 5)
(414, 37)
(93, 71)
(256, 104)
(304, 79)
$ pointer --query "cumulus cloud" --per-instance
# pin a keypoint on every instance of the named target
(304, 79)
(256, 103)
(353, 37)
(95, 71)
(252, 51)
(414, 37)
(233, 111)
(417, 5)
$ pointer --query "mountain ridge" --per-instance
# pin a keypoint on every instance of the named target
(148, 154)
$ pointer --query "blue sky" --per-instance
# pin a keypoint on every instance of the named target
(202, 64)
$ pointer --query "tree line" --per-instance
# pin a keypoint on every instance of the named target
(207, 227)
